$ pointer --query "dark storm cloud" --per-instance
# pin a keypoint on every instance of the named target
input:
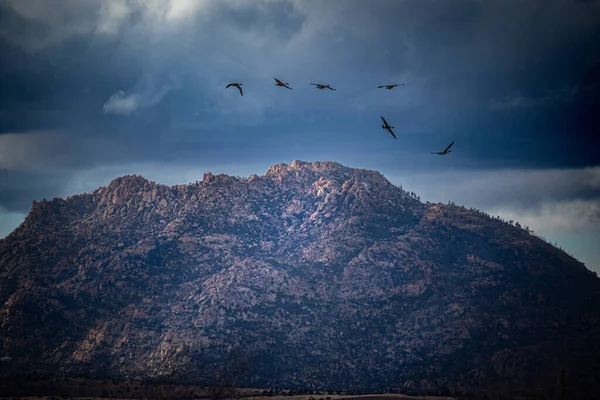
(19, 189)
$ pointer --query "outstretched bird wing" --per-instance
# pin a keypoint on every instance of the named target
(278, 81)
(447, 148)
(382, 86)
(391, 131)
(237, 85)
(384, 121)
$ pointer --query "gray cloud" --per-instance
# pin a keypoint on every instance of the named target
(43, 24)
(513, 188)
(19, 188)
(558, 217)
(144, 94)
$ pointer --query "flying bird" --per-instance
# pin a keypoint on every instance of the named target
(237, 85)
(388, 87)
(443, 153)
(388, 127)
(321, 87)
(279, 83)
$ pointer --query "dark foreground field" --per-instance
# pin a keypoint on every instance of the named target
(302, 397)
(80, 388)
(59, 388)
(335, 397)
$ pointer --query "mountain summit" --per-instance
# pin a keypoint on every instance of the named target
(324, 276)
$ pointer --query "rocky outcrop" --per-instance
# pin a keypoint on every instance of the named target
(325, 276)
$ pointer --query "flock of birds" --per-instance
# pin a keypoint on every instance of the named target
(320, 86)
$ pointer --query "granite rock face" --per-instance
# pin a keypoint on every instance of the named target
(324, 276)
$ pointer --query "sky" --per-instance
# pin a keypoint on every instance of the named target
(92, 90)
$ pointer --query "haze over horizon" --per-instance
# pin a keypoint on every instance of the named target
(98, 89)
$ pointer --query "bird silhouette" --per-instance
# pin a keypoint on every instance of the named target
(389, 87)
(279, 83)
(443, 153)
(237, 85)
(321, 87)
(388, 127)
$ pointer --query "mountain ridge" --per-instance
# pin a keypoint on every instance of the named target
(138, 279)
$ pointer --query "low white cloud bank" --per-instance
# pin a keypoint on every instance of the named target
(520, 188)
(546, 200)
(558, 217)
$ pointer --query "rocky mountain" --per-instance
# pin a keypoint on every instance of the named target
(322, 276)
